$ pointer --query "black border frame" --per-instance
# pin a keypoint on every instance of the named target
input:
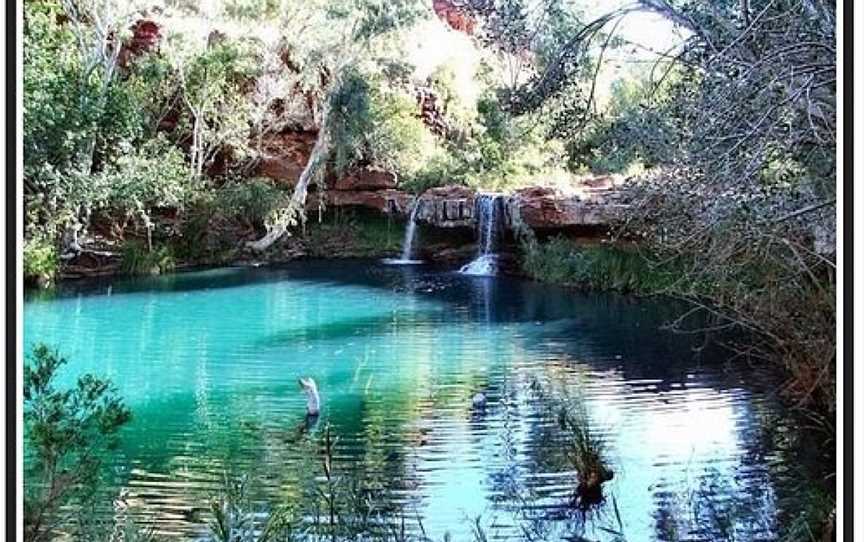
(11, 270)
(848, 406)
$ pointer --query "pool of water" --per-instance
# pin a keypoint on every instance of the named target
(209, 362)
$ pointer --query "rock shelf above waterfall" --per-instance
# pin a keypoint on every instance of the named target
(449, 206)
(592, 201)
(544, 208)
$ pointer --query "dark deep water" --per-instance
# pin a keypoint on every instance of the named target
(208, 362)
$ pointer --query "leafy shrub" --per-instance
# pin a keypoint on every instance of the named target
(442, 168)
(152, 175)
(498, 153)
(628, 133)
(371, 124)
(40, 260)
(250, 202)
(399, 141)
(138, 260)
(350, 234)
(65, 431)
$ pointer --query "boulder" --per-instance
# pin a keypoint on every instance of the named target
(545, 208)
(285, 155)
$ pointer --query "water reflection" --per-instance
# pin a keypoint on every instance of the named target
(209, 363)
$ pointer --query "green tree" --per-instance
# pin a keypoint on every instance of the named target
(339, 38)
(66, 432)
(211, 85)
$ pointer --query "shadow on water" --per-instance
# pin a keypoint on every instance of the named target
(365, 326)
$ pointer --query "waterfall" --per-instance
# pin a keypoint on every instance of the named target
(488, 215)
(410, 233)
(408, 241)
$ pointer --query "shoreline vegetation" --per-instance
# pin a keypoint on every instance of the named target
(159, 138)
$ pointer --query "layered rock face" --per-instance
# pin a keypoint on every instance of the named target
(285, 155)
(544, 208)
(365, 179)
(392, 202)
(449, 206)
(592, 204)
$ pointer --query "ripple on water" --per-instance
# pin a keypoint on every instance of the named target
(209, 364)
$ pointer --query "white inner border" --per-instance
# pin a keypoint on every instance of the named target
(858, 228)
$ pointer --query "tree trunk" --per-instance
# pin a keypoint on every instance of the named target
(296, 207)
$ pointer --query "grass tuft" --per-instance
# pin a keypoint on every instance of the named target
(563, 261)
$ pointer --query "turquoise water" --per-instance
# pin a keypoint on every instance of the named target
(208, 362)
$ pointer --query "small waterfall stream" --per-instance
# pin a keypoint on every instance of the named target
(410, 234)
(489, 214)
(408, 241)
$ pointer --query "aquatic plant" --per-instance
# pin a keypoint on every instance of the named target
(236, 519)
(582, 449)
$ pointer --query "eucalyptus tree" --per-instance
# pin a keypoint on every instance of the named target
(328, 44)
(210, 83)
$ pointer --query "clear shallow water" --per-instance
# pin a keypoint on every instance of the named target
(209, 362)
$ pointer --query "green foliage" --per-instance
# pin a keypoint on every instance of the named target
(398, 140)
(376, 18)
(460, 110)
(211, 83)
(251, 9)
(626, 133)
(65, 111)
(442, 168)
(563, 261)
(217, 217)
(40, 260)
(351, 117)
(350, 234)
(577, 445)
(371, 124)
(66, 432)
(137, 259)
(235, 518)
(88, 147)
(250, 201)
(150, 176)
(502, 153)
